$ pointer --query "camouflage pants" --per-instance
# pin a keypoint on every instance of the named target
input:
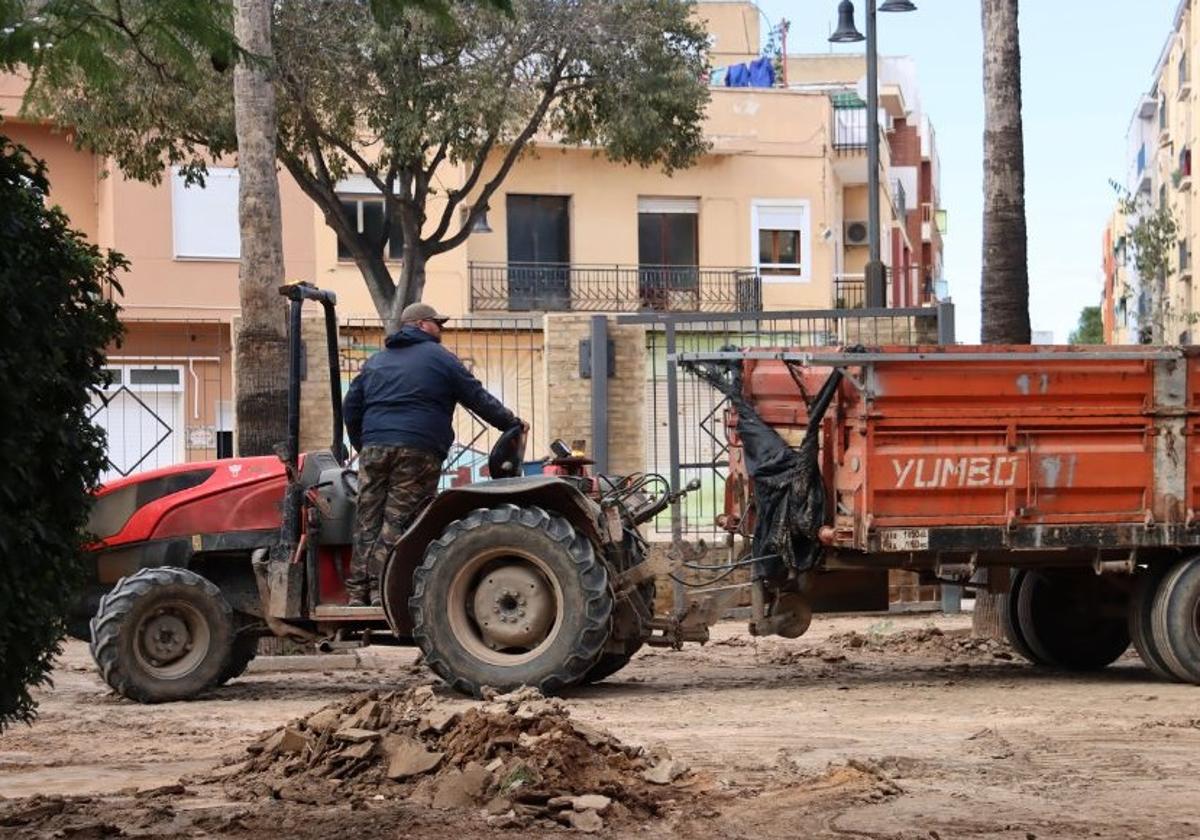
(392, 483)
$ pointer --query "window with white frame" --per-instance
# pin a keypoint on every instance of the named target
(365, 215)
(781, 240)
(204, 220)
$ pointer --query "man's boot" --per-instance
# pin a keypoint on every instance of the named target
(356, 592)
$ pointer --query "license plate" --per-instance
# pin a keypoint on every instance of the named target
(904, 539)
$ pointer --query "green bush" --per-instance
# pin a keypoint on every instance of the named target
(56, 318)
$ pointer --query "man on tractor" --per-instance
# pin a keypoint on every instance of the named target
(399, 412)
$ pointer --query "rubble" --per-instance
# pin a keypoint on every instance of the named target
(516, 760)
(950, 646)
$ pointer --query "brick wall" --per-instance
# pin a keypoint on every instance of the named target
(884, 331)
(316, 413)
(569, 395)
(905, 143)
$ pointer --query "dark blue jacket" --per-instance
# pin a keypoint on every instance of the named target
(405, 396)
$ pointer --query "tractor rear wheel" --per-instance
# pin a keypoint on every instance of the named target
(1073, 620)
(1176, 620)
(1009, 618)
(1141, 621)
(626, 618)
(162, 634)
(511, 596)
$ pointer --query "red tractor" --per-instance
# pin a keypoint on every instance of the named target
(538, 580)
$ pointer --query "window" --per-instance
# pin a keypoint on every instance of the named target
(781, 238)
(204, 220)
(365, 215)
(779, 251)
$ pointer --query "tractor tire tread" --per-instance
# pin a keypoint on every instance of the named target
(592, 575)
(115, 607)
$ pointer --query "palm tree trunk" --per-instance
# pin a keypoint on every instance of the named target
(1004, 286)
(1005, 283)
(261, 344)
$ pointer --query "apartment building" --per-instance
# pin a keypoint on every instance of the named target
(1161, 137)
(772, 218)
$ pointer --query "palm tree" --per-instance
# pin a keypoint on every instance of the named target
(1004, 286)
(1005, 281)
(261, 342)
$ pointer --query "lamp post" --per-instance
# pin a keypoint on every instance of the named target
(847, 32)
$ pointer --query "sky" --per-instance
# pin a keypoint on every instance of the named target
(1084, 66)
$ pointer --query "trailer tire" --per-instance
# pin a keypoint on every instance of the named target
(513, 560)
(162, 634)
(1176, 618)
(1141, 621)
(1009, 607)
(1061, 616)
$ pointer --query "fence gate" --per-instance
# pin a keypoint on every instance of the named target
(685, 438)
(505, 354)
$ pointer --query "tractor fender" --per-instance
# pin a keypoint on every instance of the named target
(552, 494)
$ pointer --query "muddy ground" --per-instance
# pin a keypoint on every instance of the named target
(880, 727)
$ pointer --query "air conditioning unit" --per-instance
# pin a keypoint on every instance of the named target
(856, 233)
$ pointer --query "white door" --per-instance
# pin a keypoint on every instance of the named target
(142, 414)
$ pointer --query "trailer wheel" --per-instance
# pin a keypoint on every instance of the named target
(1141, 621)
(511, 596)
(1009, 608)
(1076, 621)
(162, 634)
(1176, 620)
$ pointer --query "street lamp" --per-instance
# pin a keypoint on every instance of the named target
(846, 33)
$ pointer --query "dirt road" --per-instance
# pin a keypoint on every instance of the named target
(897, 727)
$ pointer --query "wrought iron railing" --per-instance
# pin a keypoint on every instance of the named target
(849, 291)
(571, 287)
(849, 129)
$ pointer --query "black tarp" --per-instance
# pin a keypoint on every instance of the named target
(789, 495)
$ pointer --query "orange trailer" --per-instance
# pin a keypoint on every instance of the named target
(1070, 474)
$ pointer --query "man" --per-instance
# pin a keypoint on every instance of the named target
(399, 412)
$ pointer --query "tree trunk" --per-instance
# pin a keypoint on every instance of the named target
(410, 285)
(261, 357)
(1005, 282)
(1004, 287)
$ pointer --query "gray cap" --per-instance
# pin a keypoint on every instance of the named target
(421, 312)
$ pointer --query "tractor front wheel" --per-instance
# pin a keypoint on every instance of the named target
(163, 634)
(511, 596)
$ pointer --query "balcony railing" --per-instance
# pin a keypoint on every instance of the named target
(849, 129)
(849, 291)
(900, 201)
(572, 287)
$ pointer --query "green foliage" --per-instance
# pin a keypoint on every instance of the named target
(1152, 237)
(1090, 329)
(405, 97)
(56, 319)
(55, 40)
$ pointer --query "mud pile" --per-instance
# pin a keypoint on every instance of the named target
(950, 646)
(927, 640)
(518, 759)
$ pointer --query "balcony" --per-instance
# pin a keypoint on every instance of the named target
(849, 127)
(571, 287)
(849, 291)
(900, 201)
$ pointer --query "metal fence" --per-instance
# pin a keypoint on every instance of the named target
(573, 287)
(505, 354)
(685, 436)
(168, 397)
